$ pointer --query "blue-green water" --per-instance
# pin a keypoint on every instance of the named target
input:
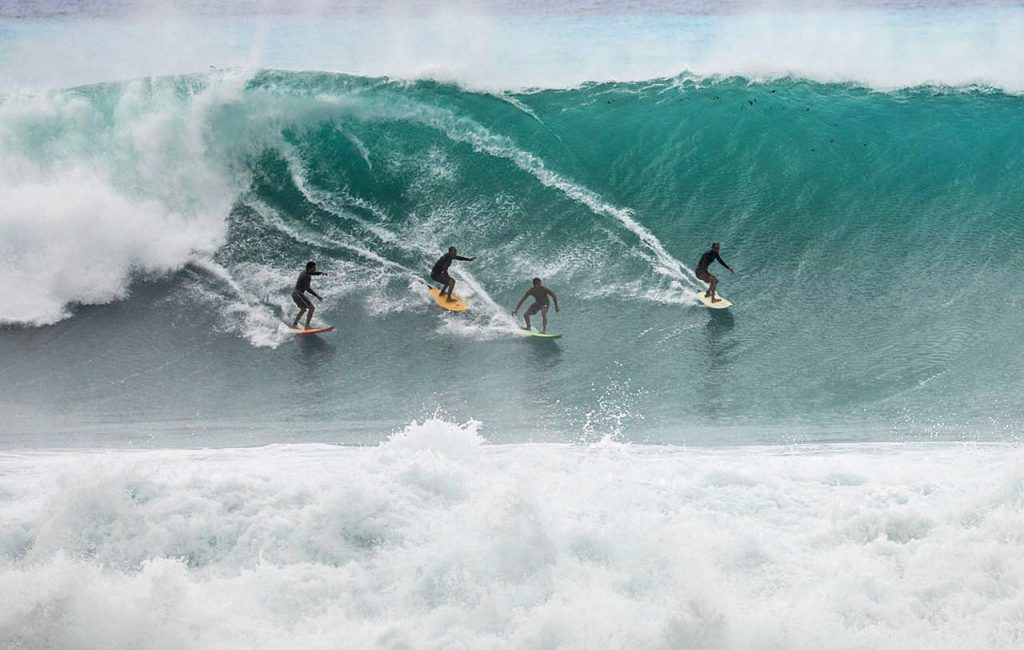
(178, 470)
(877, 240)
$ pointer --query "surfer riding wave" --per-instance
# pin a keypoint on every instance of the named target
(704, 275)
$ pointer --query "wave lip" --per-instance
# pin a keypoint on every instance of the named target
(104, 184)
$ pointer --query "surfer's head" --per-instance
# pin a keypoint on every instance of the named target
(715, 246)
(451, 250)
(310, 266)
(536, 282)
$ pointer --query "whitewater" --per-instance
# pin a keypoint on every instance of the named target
(437, 539)
(833, 462)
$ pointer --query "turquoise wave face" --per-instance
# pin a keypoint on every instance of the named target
(876, 239)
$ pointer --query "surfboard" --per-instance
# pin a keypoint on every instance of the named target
(539, 335)
(313, 330)
(720, 303)
(457, 303)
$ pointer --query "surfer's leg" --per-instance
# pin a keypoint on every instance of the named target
(703, 276)
(303, 304)
(441, 279)
(309, 316)
(451, 287)
(544, 319)
(533, 309)
(711, 289)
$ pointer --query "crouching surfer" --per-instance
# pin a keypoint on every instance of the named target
(440, 275)
(540, 294)
(704, 275)
(299, 294)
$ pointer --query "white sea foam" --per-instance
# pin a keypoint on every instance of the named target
(96, 195)
(92, 198)
(248, 310)
(436, 539)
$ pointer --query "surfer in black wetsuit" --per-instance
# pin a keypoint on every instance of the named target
(540, 295)
(299, 294)
(440, 271)
(702, 270)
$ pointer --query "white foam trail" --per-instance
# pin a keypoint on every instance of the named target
(436, 539)
(501, 322)
(247, 313)
(469, 132)
(272, 217)
(684, 285)
(518, 104)
(361, 147)
(327, 202)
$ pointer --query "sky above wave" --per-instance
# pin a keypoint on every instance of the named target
(513, 45)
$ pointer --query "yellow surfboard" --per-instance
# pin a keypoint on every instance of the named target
(457, 303)
(719, 303)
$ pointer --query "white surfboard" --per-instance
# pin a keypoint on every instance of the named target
(719, 303)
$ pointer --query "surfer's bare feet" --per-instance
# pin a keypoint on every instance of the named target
(716, 300)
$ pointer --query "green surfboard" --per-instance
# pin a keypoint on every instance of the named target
(541, 336)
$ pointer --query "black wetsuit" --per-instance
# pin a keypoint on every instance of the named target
(301, 287)
(440, 271)
(705, 261)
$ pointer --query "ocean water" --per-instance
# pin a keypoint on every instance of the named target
(833, 462)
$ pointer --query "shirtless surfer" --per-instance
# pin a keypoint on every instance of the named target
(702, 270)
(540, 295)
(440, 271)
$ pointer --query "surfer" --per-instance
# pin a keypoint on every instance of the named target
(440, 271)
(702, 270)
(299, 294)
(540, 295)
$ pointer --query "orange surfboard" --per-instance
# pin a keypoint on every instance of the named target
(457, 303)
(315, 330)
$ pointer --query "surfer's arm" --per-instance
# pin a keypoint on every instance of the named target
(722, 262)
(318, 296)
(520, 303)
(553, 297)
(464, 259)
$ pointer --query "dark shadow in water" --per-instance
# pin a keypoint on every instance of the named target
(543, 354)
(315, 356)
(718, 342)
(540, 389)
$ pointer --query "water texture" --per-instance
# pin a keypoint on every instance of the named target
(832, 463)
(877, 238)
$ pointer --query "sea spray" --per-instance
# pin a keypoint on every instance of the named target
(434, 538)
